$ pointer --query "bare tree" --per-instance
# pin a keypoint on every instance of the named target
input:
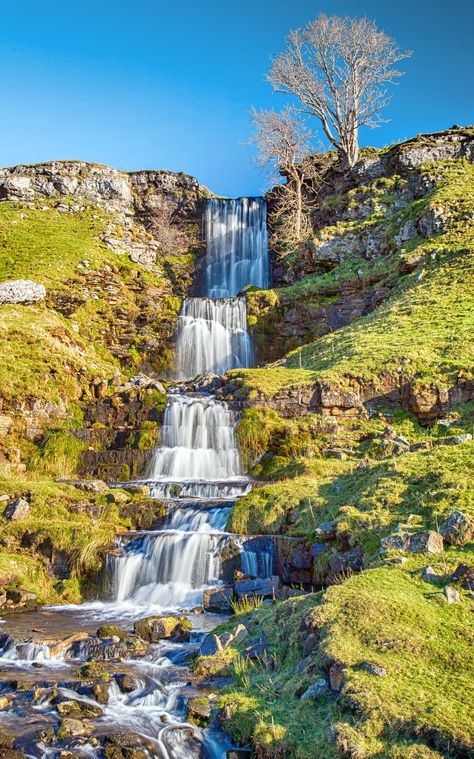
(339, 69)
(283, 141)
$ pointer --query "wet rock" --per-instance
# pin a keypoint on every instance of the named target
(6, 741)
(127, 682)
(199, 710)
(218, 599)
(373, 669)
(262, 586)
(143, 490)
(78, 709)
(63, 647)
(464, 574)
(73, 728)
(112, 631)
(154, 629)
(457, 529)
(5, 703)
(110, 649)
(100, 692)
(125, 745)
(21, 291)
(92, 670)
(319, 688)
(17, 509)
(452, 595)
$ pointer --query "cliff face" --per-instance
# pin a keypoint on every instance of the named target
(140, 203)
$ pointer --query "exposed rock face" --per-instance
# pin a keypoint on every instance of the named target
(137, 194)
(21, 291)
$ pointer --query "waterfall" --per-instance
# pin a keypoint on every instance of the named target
(198, 443)
(212, 330)
(174, 564)
(213, 337)
(237, 246)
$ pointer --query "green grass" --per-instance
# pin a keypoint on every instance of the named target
(367, 502)
(62, 519)
(420, 710)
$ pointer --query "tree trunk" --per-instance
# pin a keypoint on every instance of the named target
(299, 208)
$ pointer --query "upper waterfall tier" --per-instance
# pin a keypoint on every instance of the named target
(237, 246)
(212, 337)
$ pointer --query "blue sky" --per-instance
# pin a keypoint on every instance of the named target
(149, 84)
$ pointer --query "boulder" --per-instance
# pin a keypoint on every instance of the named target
(17, 509)
(452, 595)
(127, 682)
(317, 550)
(258, 647)
(20, 597)
(199, 710)
(326, 531)
(89, 486)
(261, 586)
(73, 728)
(154, 629)
(21, 291)
(218, 599)
(457, 529)
(427, 541)
(464, 574)
(100, 691)
(429, 574)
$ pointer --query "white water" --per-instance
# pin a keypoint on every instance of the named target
(212, 337)
(198, 443)
(237, 246)
(212, 330)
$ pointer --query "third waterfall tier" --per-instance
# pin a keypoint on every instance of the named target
(212, 329)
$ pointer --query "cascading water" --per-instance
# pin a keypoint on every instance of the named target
(212, 330)
(213, 337)
(237, 246)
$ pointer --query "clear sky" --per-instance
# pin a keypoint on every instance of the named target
(152, 84)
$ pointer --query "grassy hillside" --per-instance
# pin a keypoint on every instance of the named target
(419, 708)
